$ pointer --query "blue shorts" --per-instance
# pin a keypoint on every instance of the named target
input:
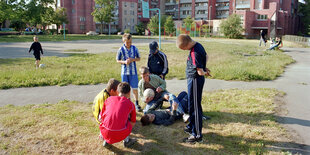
(131, 79)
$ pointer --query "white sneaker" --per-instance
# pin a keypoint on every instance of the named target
(185, 117)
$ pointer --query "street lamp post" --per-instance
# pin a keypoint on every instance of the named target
(210, 8)
(64, 25)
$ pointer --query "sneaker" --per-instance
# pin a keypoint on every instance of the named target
(192, 140)
(105, 144)
(185, 118)
(138, 108)
(206, 117)
(130, 142)
(187, 130)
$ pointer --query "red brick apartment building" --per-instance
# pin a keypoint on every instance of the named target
(277, 17)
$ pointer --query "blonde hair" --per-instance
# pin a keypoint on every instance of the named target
(183, 40)
(126, 36)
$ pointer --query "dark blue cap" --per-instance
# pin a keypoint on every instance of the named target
(153, 47)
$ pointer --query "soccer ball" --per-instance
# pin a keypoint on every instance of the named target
(41, 66)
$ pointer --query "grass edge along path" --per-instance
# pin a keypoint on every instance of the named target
(243, 122)
(241, 61)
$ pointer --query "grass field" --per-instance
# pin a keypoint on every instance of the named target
(228, 60)
(243, 122)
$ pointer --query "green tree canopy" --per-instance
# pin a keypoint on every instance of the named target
(154, 24)
(304, 9)
(231, 27)
(140, 28)
(188, 20)
(58, 17)
(104, 12)
(170, 26)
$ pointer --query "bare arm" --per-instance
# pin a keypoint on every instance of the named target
(201, 72)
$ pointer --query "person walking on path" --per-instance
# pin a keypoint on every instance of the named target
(157, 61)
(37, 48)
(262, 38)
(195, 72)
(127, 55)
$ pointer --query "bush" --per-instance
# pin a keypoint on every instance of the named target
(127, 30)
(51, 31)
(62, 31)
(231, 27)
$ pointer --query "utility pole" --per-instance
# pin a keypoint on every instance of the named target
(64, 25)
(210, 8)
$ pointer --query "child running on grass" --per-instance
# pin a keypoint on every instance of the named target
(36, 47)
(127, 56)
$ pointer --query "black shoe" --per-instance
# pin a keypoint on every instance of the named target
(130, 142)
(138, 108)
(206, 117)
(105, 144)
(187, 130)
(192, 140)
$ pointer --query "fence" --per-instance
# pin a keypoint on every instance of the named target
(194, 30)
(298, 39)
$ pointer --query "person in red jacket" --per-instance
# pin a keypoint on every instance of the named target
(118, 117)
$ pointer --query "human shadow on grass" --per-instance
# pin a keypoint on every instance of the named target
(252, 118)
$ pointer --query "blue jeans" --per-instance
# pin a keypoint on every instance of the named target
(148, 105)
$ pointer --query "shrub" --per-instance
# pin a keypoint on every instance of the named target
(231, 27)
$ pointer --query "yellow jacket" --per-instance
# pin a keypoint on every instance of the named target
(98, 104)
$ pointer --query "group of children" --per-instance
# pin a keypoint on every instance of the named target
(116, 114)
(275, 43)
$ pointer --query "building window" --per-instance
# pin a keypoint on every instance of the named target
(82, 19)
(258, 4)
(125, 4)
(186, 12)
(73, 10)
(73, 1)
(132, 5)
(125, 12)
(261, 17)
(82, 27)
(132, 12)
(125, 20)
(241, 19)
(133, 20)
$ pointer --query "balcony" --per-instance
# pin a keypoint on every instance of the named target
(184, 16)
(199, 16)
(201, 1)
(220, 1)
(222, 8)
(201, 8)
(171, 3)
(171, 10)
(222, 16)
(185, 1)
(185, 8)
(243, 6)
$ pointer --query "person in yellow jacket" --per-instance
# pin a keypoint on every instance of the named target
(110, 90)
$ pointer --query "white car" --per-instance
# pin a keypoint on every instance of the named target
(91, 33)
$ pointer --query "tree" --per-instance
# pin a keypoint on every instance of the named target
(104, 13)
(304, 9)
(169, 25)
(59, 17)
(6, 10)
(35, 9)
(231, 27)
(154, 24)
(140, 28)
(188, 20)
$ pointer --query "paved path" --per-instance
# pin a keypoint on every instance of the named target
(20, 49)
(295, 82)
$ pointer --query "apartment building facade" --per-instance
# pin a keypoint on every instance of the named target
(276, 17)
(81, 21)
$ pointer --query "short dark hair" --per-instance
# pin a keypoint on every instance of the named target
(112, 84)
(123, 88)
(145, 120)
(144, 70)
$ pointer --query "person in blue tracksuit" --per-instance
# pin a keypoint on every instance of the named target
(195, 72)
(157, 61)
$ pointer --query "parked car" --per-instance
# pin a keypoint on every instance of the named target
(91, 33)
(120, 33)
